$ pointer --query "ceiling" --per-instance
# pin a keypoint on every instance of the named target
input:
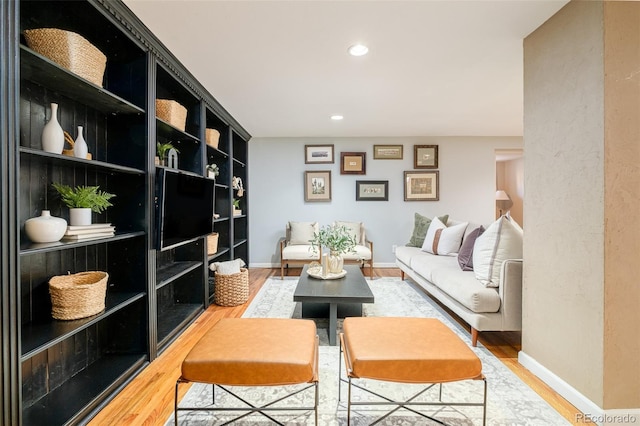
(281, 68)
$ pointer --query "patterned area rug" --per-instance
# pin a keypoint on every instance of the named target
(509, 400)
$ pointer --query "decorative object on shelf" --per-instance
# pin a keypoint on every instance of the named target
(317, 185)
(425, 156)
(82, 200)
(162, 152)
(172, 158)
(171, 112)
(339, 241)
(236, 183)
(212, 136)
(45, 228)
(353, 163)
(80, 148)
(212, 243)
(76, 296)
(70, 51)
(213, 171)
(52, 133)
(236, 207)
(69, 152)
(88, 232)
(421, 186)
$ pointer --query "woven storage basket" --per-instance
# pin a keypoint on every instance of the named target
(212, 243)
(212, 136)
(78, 295)
(232, 290)
(70, 51)
(171, 112)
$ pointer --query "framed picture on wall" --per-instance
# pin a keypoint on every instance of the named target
(421, 186)
(387, 152)
(318, 154)
(425, 156)
(353, 163)
(317, 185)
(372, 190)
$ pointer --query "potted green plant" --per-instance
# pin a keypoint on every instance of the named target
(82, 200)
(339, 241)
(213, 170)
(162, 149)
(236, 207)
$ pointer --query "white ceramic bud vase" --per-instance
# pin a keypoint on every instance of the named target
(52, 134)
(45, 228)
(79, 216)
(80, 148)
(335, 263)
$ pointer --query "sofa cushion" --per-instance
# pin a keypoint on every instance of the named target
(361, 253)
(502, 240)
(426, 263)
(465, 255)
(354, 228)
(302, 232)
(465, 288)
(441, 240)
(420, 227)
(405, 253)
(299, 252)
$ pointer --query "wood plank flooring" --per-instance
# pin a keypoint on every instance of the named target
(148, 399)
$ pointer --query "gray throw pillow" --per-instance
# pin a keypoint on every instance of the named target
(465, 255)
(420, 227)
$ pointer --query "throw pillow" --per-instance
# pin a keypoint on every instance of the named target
(420, 227)
(302, 232)
(441, 240)
(354, 228)
(501, 241)
(465, 255)
(227, 268)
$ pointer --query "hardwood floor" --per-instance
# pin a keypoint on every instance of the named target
(148, 399)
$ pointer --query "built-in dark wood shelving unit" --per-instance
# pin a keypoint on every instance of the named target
(61, 372)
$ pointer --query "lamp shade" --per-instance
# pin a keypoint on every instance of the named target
(503, 201)
(502, 196)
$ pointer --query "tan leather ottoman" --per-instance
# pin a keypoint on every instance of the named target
(254, 352)
(407, 350)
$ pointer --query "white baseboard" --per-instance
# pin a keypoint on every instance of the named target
(591, 411)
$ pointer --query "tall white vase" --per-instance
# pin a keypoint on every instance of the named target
(52, 134)
(80, 148)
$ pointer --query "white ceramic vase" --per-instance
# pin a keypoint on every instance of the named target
(45, 228)
(335, 263)
(79, 216)
(80, 148)
(52, 134)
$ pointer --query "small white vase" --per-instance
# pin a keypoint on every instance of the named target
(79, 216)
(52, 134)
(335, 263)
(80, 148)
(45, 228)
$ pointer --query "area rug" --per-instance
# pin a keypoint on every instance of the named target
(509, 400)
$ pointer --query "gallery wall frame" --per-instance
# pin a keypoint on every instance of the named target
(425, 156)
(317, 185)
(388, 152)
(319, 154)
(353, 163)
(372, 190)
(421, 185)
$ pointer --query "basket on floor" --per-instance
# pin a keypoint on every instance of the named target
(233, 289)
(70, 51)
(78, 295)
(171, 112)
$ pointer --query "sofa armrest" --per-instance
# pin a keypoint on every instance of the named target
(510, 291)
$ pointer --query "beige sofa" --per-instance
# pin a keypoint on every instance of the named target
(484, 308)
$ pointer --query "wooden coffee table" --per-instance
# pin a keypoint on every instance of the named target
(331, 299)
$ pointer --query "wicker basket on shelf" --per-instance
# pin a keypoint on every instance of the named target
(233, 289)
(212, 243)
(171, 112)
(70, 51)
(78, 295)
(212, 136)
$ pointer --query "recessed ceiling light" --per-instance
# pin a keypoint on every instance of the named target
(336, 117)
(358, 50)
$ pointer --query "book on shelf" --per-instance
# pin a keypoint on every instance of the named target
(81, 237)
(93, 226)
(90, 231)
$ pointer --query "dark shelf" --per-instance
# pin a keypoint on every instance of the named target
(215, 151)
(240, 163)
(27, 247)
(43, 71)
(171, 132)
(220, 219)
(239, 242)
(239, 216)
(38, 337)
(171, 321)
(64, 403)
(220, 252)
(173, 271)
(221, 185)
(65, 160)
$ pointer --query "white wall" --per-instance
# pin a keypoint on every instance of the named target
(275, 189)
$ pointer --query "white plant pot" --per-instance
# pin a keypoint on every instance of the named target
(45, 228)
(79, 216)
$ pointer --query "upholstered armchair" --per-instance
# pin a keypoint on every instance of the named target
(364, 249)
(295, 248)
